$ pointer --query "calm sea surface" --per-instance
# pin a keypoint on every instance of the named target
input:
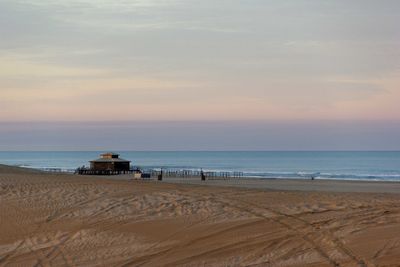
(326, 165)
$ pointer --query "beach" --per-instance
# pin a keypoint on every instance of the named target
(56, 219)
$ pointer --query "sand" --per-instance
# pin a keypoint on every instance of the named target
(67, 220)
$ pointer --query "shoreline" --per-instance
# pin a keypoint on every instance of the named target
(276, 184)
(249, 177)
(304, 185)
(349, 165)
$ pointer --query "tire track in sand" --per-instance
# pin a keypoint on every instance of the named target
(306, 235)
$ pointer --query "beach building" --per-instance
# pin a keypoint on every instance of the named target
(110, 162)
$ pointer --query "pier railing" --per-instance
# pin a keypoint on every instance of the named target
(86, 171)
(152, 173)
(194, 173)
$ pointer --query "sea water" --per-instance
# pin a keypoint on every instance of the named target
(349, 165)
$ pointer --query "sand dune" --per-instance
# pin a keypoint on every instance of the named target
(66, 220)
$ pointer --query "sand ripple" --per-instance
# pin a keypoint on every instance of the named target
(65, 220)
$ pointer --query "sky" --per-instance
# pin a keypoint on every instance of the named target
(200, 135)
(285, 66)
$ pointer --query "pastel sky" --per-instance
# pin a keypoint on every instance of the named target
(94, 60)
(199, 75)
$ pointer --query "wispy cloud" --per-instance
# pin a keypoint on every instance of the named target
(199, 59)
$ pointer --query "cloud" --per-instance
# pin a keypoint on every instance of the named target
(16, 66)
(198, 59)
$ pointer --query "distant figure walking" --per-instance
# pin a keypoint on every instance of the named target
(203, 177)
(160, 176)
(313, 175)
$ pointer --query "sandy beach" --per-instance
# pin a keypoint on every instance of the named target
(49, 219)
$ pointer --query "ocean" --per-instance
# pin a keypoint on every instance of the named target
(349, 165)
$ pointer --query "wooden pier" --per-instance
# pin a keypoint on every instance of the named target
(82, 171)
(151, 173)
(194, 173)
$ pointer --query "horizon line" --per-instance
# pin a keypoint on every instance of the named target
(116, 150)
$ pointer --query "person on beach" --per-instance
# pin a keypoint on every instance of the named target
(203, 177)
(314, 175)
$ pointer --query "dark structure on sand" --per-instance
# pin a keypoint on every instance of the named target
(107, 164)
(110, 162)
